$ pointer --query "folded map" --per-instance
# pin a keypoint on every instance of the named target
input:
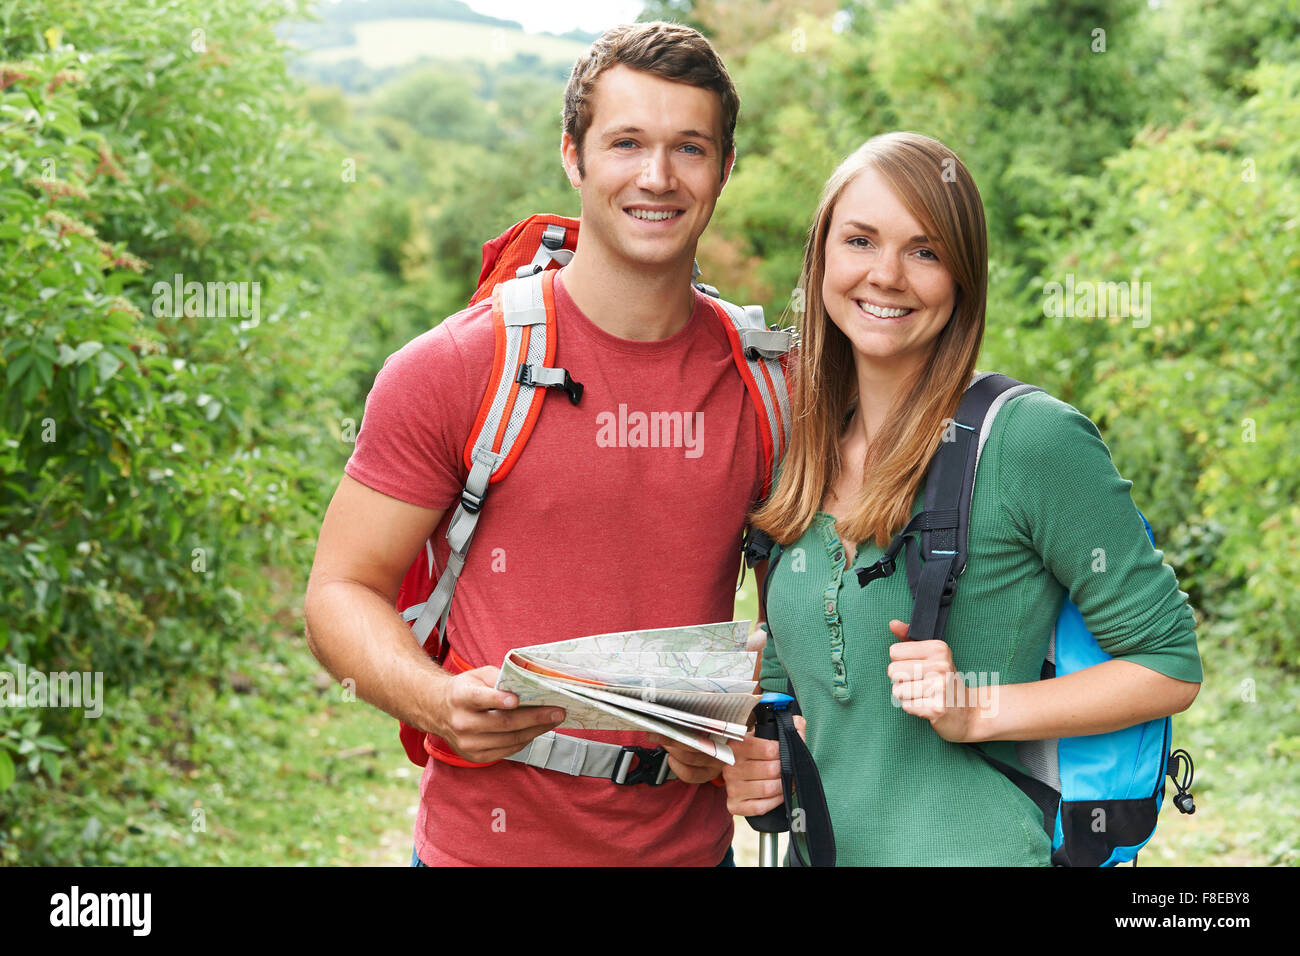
(691, 684)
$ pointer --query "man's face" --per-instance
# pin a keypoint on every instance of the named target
(651, 160)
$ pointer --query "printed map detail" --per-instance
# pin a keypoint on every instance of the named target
(691, 684)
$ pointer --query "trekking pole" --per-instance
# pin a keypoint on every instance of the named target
(775, 821)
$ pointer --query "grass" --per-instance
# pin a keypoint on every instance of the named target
(268, 765)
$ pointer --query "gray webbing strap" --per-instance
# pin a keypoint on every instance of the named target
(522, 302)
(546, 377)
(581, 758)
(460, 531)
(765, 343)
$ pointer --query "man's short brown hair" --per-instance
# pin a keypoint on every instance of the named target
(669, 50)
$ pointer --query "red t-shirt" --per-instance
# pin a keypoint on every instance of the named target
(589, 533)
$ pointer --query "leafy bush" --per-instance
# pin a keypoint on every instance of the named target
(158, 455)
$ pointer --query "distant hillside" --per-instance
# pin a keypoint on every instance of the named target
(385, 33)
(352, 11)
(385, 43)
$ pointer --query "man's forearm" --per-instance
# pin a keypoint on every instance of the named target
(357, 635)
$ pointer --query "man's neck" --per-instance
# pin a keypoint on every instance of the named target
(640, 304)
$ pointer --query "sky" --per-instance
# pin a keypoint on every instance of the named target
(561, 16)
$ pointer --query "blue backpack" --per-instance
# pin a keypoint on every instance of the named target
(1099, 794)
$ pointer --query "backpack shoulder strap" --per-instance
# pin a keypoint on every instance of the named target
(523, 317)
(949, 487)
(935, 564)
(759, 353)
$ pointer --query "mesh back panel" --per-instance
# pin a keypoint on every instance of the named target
(536, 355)
(1039, 756)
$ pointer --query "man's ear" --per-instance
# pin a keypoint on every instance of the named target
(569, 156)
(726, 169)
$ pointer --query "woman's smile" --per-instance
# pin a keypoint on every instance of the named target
(877, 311)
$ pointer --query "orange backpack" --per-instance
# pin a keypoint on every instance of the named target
(518, 273)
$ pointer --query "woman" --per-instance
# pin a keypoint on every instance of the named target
(895, 277)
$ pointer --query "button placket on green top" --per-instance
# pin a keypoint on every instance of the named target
(834, 626)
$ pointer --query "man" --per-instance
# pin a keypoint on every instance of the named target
(581, 538)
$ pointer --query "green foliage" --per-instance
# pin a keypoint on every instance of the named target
(155, 459)
(164, 469)
(1198, 397)
(1028, 94)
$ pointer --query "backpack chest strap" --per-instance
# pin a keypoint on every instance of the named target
(591, 758)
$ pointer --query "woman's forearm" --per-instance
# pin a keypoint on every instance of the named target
(1099, 699)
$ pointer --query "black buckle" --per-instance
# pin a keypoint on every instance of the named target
(757, 547)
(572, 387)
(652, 766)
(881, 569)
(471, 503)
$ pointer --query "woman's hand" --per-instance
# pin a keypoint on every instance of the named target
(928, 685)
(754, 782)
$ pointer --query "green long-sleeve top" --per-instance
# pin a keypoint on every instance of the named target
(1049, 513)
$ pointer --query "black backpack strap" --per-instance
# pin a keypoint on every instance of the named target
(949, 487)
(760, 547)
(935, 563)
(802, 787)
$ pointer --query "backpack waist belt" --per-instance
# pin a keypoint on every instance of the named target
(571, 755)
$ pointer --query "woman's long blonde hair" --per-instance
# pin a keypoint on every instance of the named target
(938, 191)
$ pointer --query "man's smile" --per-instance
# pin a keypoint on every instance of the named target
(653, 213)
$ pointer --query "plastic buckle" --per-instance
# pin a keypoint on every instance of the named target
(571, 386)
(757, 546)
(553, 237)
(652, 767)
(471, 503)
(881, 569)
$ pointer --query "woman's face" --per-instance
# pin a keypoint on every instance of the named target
(885, 286)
